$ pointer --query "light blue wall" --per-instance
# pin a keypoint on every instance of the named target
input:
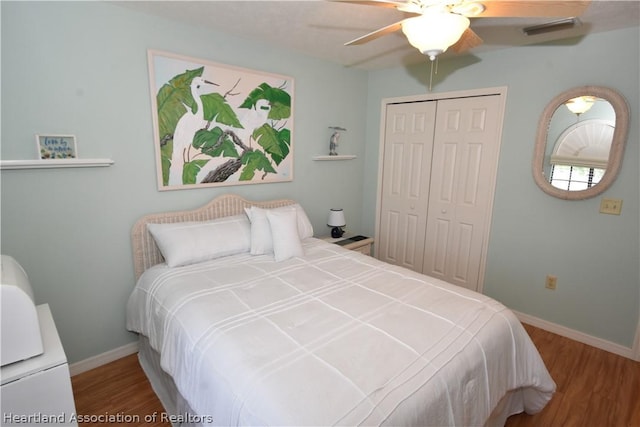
(81, 68)
(595, 256)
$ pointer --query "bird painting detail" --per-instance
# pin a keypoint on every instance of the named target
(251, 119)
(234, 131)
(186, 128)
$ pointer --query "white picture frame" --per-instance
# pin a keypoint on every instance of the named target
(51, 146)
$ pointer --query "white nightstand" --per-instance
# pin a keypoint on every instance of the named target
(356, 243)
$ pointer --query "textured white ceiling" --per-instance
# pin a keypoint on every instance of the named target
(320, 28)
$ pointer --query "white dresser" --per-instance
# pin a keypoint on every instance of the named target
(38, 390)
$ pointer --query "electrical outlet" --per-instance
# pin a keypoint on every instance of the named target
(611, 206)
(551, 282)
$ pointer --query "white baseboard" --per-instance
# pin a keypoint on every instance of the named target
(103, 359)
(596, 342)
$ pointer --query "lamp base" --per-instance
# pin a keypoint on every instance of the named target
(337, 232)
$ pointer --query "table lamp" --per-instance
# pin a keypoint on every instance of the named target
(337, 221)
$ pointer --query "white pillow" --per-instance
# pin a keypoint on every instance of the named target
(305, 229)
(261, 240)
(184, 243)
(284, 231)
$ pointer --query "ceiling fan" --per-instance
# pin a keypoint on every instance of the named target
(436, 25)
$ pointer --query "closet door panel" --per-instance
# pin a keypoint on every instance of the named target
(405, 183)
(465, 159)
(438, 248)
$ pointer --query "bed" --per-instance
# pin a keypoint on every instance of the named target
(239, 330)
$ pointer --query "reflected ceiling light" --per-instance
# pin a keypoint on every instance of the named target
(580, 104)
(434, 32)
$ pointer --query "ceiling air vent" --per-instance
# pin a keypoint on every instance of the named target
(562, 24)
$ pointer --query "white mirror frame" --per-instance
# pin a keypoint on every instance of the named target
(617, 144)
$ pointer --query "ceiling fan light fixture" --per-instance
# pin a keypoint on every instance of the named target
(433, 33)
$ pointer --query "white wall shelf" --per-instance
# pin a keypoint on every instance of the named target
(54, 163)
(338, 157)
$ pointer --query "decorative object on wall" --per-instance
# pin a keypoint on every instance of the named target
(56, 146)
(335, 139)
(337, 221)
(54, 151)
(575, 172)
(216, 124)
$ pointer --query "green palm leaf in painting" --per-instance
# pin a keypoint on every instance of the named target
(279, 100)
(191, 169)
(212, 143)
(172, 99)
(252, 161)
(275, 143)
(217, 109)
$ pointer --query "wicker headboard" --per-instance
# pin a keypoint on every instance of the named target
(145, 252)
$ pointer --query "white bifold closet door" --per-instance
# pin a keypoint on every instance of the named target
(408, 147)
(440, 160)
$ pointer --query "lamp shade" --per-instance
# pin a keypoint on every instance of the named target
(336, 218)
(432, 33)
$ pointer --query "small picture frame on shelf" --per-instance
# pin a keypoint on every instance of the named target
(56, 146)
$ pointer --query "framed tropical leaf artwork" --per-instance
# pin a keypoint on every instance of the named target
(216, 124)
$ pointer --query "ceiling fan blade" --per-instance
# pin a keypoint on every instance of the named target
(532, 8)
(468, 40)
(381, 3)
(375, 34)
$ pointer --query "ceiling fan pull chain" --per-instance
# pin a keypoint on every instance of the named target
(431, 71)
(430, 76)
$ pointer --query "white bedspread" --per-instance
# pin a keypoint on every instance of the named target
(334, 338)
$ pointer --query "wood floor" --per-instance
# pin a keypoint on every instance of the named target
(120, 389)
(595, 389)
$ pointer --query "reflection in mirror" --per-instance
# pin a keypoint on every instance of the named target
(580, 142)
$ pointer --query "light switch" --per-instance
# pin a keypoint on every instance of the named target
(611, 206)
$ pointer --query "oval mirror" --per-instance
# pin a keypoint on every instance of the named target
(580, 142)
